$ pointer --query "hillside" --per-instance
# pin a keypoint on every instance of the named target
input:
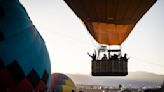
(134, 79)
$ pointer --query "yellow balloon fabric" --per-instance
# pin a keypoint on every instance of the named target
(61, 83)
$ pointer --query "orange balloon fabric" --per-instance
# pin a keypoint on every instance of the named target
(110, 34)
(110, 21)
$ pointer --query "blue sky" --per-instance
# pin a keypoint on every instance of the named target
(68, 40)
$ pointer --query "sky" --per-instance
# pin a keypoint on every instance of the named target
(68, 41)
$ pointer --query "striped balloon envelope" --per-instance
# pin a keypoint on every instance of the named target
(61, 83)
(24, 60)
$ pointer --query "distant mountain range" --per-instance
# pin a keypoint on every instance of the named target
(134, 80)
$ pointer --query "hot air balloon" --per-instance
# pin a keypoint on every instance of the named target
(110, 22)
(24, 60)
(61, 83)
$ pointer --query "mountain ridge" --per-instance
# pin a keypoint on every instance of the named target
(134, 79)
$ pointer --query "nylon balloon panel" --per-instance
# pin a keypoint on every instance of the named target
(58, 79)
(63, 88)
(69, 83)
(118, 13)
(24, 59)
(62, 76)
(67, 88)
(14, 45)
(110, 34)
(10, 21)
(35, 54)
(61, 83)
(110, 11)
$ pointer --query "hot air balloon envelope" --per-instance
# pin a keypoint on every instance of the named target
(24, 59)
(61, 83)
(110, 21)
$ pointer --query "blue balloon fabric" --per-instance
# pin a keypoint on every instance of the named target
(24, 59)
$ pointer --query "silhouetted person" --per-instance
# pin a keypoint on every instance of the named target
(93, 56)
(104, 57)
(125, 56)
(112, 57)
(115, 57)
